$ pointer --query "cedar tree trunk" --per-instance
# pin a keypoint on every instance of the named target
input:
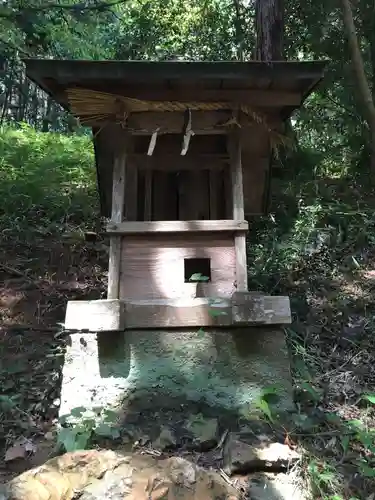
(269, 27)
(362, 83)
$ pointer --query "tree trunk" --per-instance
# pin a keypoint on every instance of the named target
(269, 28)
(371, 42)
(7, 100)
(362, 83)
(239, 31)
(46, 120)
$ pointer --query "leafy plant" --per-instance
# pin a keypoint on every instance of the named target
(263, 402)
(198, 277)
(369, 397)
(263, 405)
(323, 478)
(87, 425)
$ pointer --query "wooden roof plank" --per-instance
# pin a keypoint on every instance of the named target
(66, 70)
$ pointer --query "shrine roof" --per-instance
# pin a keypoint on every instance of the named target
(255, 83)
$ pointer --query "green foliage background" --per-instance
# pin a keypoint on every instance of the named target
(48, 182)
(318, 236)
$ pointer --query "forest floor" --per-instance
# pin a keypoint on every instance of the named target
(45, 261)
(333, 351)
(37, 280)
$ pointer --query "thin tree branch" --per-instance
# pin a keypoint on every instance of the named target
(78, 6)
(82, 6)
(340, 105)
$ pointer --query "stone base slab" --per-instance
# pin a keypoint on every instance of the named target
(224, 367)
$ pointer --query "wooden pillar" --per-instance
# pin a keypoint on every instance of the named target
(238, 211)
(118, 195)
(131, 191)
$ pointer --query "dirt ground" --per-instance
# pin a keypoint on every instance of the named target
(37, 280)
(331, 340)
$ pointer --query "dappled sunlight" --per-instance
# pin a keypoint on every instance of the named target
(356, 290)
(168, 275)
(368, 275)
(9, 300)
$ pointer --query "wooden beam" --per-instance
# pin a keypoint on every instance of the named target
(171, 144)
(236, 176)
(246, 306)
(117, 315)
(238, 212)
(205, 122)
(267, 309)
(174, 130)
(241, 262)
(131, 191)
(174, 313)
(201, 312)
(202, 122)
(174, 162)
(95, 315)
(177, 226)
(118, 194)
(118, 188)
(259, 98)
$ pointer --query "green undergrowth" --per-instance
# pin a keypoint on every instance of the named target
(47, 182)
(313, 215)
(317, 245)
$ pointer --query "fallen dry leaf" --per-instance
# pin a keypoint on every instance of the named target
(49, 436)
(289, 442)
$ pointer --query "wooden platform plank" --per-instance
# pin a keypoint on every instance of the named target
(117, 315)
(177, 314)
(95, 315)
(177, 226)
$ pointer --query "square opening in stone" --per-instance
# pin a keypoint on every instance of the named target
(197, 270)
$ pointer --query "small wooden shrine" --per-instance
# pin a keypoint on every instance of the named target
(183, 156)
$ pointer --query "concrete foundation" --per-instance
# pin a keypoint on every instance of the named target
(226, 368)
